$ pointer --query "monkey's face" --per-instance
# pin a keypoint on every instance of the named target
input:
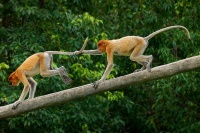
(102, 46)
(14, 79)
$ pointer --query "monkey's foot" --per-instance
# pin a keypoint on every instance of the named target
(96, 84)
(15, 104)
(148, 69)
(64, 75)
(144, 65)
(149, 65)
(138, 70)
(141, 69)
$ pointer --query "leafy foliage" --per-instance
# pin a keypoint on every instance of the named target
(167, 105)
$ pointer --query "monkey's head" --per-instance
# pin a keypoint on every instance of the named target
(102, 44)
(13, 79)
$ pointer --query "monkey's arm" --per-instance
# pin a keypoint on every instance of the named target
(20, 74)
(109, 65)
(108, 69)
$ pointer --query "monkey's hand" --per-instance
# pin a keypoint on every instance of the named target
(15, 104)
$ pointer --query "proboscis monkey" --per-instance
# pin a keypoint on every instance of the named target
(133, 46)
(33, 65)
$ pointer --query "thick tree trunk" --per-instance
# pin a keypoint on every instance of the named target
(113, 84)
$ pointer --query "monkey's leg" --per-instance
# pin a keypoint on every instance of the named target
(63, 74)
(149, 65)
(137, 55)
(145, 61)
(60, 71)
(51, 62)
(46, 66)
(33, 84)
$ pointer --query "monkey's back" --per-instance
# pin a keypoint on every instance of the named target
(31, 65)
(125, 45)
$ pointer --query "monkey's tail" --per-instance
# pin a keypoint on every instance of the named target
(91, 52)
(167, 28)
(59, 52)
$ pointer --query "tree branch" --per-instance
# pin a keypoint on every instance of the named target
(112, 84)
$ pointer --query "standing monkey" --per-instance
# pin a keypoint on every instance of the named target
(133, 46)
(33, 65)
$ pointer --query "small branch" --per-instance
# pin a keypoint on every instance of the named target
(65, 96)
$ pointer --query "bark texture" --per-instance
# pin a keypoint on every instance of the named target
(112, 84)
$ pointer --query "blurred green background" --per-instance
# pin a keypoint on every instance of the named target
(166, 105)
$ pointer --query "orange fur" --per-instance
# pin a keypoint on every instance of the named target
(33, 65)
(123, 46)
(133, 46)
